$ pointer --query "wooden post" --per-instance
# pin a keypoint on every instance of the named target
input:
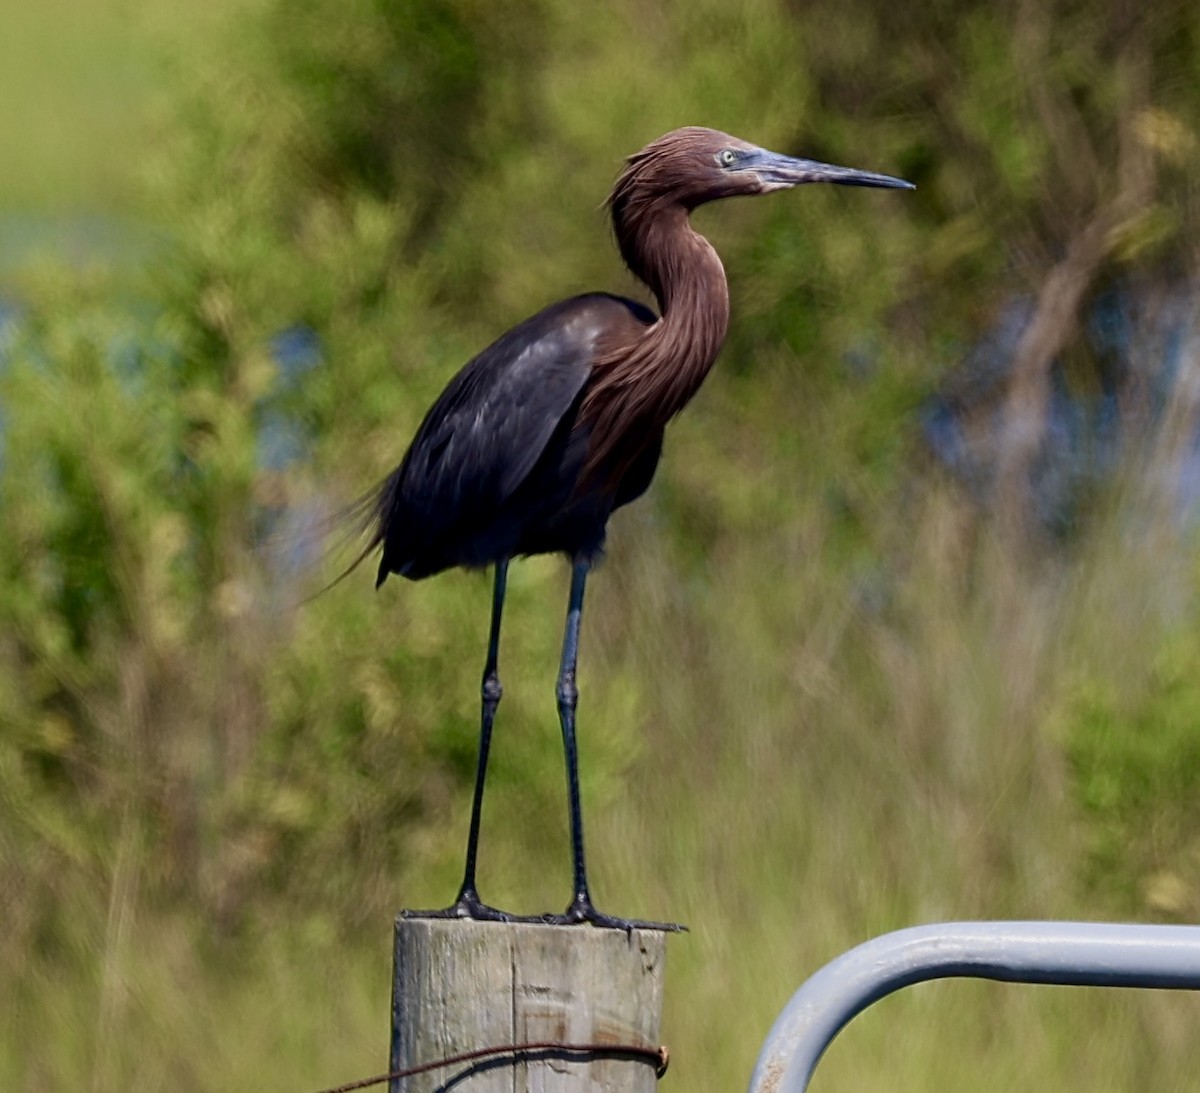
(462, 985)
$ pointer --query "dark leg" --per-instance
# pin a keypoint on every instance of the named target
(581, 909)
(468, 904)
(468, 896)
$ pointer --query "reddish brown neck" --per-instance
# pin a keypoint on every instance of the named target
(639, 386)
(687, 278)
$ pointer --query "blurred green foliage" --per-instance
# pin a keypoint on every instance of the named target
(1135, 756)
(826, 692)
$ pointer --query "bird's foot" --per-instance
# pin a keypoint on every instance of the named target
(470, 906)
(582, 910)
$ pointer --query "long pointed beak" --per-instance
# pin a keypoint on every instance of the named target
(778, 171)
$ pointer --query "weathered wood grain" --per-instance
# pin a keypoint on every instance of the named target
(461, 985)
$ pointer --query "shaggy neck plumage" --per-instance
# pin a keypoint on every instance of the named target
(661, 248)
(640, 386)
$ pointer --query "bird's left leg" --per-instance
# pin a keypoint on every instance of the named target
(468, 904)
(581, 908)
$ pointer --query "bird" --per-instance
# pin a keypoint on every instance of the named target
(544, 434)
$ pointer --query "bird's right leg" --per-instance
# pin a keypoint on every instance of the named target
(581, 908)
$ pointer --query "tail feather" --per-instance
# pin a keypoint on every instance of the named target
(361, 517)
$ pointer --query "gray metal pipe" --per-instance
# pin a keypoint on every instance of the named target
(1082, 954)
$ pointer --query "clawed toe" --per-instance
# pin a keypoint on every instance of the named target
(582, 910)
(470, 906)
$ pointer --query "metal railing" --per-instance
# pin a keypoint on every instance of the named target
(1081, 954)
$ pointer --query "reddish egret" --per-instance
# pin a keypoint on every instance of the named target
(542, 435)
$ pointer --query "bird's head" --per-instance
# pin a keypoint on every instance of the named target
(693, 165)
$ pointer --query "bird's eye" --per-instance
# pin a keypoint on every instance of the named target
(727, 158)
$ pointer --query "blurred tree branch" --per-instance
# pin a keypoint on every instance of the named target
(1102, 200)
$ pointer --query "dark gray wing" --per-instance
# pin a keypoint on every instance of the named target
(486, 431)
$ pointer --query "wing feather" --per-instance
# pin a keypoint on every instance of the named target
(482, 437)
